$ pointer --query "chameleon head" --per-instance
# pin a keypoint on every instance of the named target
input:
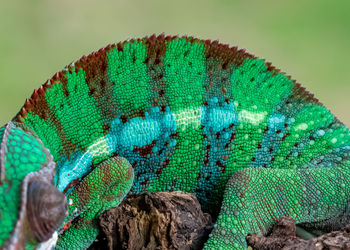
(31, 207)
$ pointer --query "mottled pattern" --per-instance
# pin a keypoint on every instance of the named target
(20, 154)
(192, 115)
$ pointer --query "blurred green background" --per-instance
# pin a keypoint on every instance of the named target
(307, 39)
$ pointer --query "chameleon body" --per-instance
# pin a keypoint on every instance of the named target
(178, 113)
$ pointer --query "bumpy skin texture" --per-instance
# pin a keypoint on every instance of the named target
(168, 113)
(23, 155)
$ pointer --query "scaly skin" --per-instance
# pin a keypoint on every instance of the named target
(167, 113)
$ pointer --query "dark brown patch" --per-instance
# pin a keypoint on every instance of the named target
(103, 84)
(106, 127)
(174, 135)
(222, 166)
(156, 47)
(94, 64)
(266, 129)
(141, 114)
(92, 91)
(38, 105)
(124, 118)
(72, 184)
(159, 171)
(228, 55)
(207, 151)
(144, 183)
(145, 150)
(165, 163)
(301, 92)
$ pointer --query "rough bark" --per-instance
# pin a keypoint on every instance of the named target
(284, 237)
(156, 221)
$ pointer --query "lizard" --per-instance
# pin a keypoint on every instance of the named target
(166, 113)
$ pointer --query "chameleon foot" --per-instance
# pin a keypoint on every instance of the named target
(255, 198)
(103, 188)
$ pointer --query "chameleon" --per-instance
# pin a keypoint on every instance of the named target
(166, 113)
